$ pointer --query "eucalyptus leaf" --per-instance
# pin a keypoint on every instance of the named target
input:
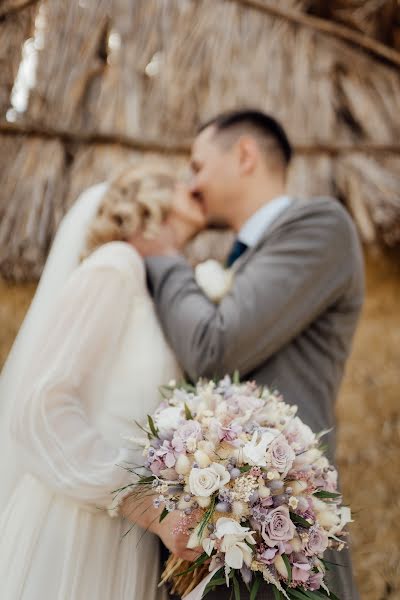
(288, 567)
(188, 414)
(299, 520)
(236, 588)
(255, 587)
(152, 426)
(164, 514)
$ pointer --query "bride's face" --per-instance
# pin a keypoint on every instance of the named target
(186, 210)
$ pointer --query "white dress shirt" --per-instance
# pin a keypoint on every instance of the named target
(253, 229)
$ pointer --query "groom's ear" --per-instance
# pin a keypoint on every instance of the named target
(248, 154)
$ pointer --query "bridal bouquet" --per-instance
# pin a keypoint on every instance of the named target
(252, 485)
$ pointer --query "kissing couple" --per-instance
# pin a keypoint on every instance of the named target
(119, 311)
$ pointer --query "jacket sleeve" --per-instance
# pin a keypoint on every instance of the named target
(300, 270)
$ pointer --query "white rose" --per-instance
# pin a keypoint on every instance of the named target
(204, 482)
(213, 279)
(169, 418)
(254, 452)
(299, 433)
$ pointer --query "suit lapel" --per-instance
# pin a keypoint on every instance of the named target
(276, 223)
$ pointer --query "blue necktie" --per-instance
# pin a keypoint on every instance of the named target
(237, 250)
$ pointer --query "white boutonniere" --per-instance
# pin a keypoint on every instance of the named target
(214, 279)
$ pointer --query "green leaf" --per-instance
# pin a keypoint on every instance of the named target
(289, 568)
(318, 594)
(323, 494)
(188, 414)
(166, 391)
(245, 468)
(328, 562)
(298, 594)
(141, 427)
(163, 515)
(188, 387)
(299, 520)
(255, 587)
(153, 428)
(321, 593)
(216, 580)
(202, 558)
(236, 377)
(277, 593)
(148, 479)
(207, 516)
(236, 588)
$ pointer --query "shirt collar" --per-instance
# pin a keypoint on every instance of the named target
(253, 229)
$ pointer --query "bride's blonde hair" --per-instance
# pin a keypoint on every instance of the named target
(137, 199)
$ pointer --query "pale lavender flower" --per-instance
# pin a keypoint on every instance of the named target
(279, 527)
(190, 429)
(301, 568)
(281, 455)
(246, 573)
(268, 556)
(232, 432)
(315, 581)
(317, 541)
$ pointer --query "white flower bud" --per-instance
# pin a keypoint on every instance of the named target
(203, 501)
(238, 508)
(263, 491)
(182, 466)
(202, 459)
(297, 487)
(281, 567)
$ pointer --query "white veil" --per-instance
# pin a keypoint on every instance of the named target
(63, 258)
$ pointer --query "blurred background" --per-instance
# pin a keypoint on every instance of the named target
(88, 87)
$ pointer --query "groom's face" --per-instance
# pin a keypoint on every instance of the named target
(214, 176)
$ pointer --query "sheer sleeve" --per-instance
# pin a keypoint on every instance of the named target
(55, 438)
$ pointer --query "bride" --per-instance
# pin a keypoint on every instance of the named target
(87, 362)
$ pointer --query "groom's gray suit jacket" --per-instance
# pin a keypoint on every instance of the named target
(288, 321)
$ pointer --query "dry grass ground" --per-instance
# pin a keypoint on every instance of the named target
(369, 424)
(369, 434)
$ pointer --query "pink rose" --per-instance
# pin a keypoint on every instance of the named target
(190, 429)
(317, 541)
(281, 455)
(279, 527)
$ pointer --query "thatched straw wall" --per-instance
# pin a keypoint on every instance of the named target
(119, 81)
(119, 77)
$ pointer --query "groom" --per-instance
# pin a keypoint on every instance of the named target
(289, 319)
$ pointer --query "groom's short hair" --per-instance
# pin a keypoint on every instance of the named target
(267, 130)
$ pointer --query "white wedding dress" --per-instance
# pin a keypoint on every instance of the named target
(94, 367)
